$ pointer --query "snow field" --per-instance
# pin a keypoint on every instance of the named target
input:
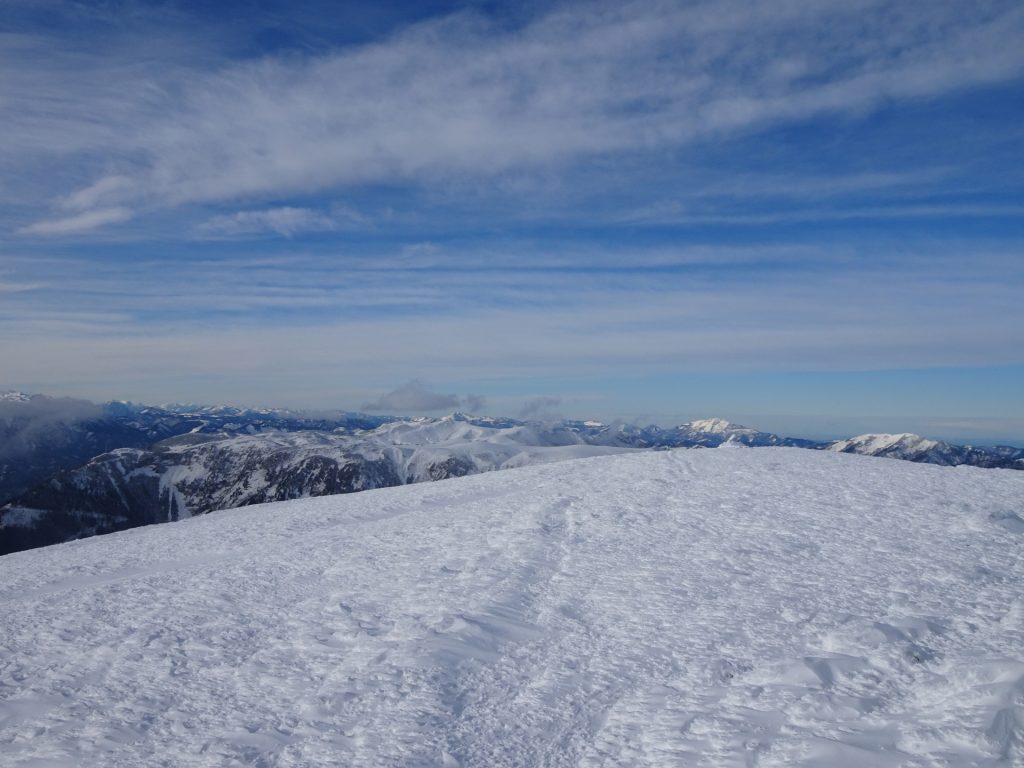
(731, 607)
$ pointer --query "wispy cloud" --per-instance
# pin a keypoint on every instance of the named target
(818, 312)
(88, 197)
(9, 287)
(683, 213)
(30, 423)
(285, 221)
(461, 96)
(79, 222)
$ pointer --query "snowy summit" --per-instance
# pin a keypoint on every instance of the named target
(776, 607)
(13, 396)
(713, 426)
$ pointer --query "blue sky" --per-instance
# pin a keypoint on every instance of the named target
(807, 216)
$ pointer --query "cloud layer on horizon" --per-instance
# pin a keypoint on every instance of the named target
(416, 396)
(447, 314)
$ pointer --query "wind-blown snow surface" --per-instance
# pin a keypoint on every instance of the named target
(728, 607)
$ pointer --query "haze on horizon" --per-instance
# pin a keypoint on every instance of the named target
(806, 217)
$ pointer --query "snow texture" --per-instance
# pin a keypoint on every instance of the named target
(772, 607)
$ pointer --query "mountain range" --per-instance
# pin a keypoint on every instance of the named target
(70, 469)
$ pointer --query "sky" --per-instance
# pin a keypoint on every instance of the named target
(803, 216)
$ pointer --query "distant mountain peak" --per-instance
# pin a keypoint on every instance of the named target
(872, 443)
(14, 396)
(713, 426)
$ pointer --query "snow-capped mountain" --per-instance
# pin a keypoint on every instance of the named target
(711, 433)
(198, 473)
(12, 396)
(42, 435)
(227, 458)
(703, 433)
(230, 418)
(70, 469)
(910, 447)
(713, 426)
(770, 607)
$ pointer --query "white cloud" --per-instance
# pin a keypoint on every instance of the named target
(79, 223)
(671, 212)
(89, 196)
(460, 97)
(286, 221)
(950, 305)
(9, 287)
(29, 424)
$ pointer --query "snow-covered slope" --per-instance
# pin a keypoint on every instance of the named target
(700, 608)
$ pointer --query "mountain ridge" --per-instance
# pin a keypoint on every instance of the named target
(126, 465)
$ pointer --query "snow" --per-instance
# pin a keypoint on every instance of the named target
(771, 607)
(879, 443)
(13, 396)
(711, 426)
